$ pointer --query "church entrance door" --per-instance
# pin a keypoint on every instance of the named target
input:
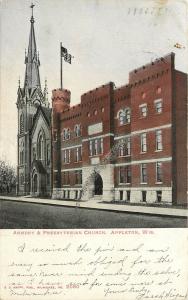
(35, 183)
(98, 184)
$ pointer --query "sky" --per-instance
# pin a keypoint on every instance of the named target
(108, 39)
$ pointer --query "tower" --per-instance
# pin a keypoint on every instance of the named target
(29, 99)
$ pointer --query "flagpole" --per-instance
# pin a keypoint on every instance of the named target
(61, 68)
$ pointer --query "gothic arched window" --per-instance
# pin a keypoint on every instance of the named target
(124, 116)
(40, 145)
(68, 134)
(22, 123)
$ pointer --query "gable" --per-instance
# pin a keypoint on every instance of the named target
(40, 123)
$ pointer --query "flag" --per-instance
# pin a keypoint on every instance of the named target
(63, 51)
(68, 58)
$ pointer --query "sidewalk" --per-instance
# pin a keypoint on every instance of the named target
(173, 212)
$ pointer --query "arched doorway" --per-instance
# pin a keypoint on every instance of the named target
(98, 184)
(35, 183)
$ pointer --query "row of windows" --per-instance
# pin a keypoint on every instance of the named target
(124, 115)
(125, 173)
(95, 112)
(127, 196)
(77, 175)
(124, 149)
(76, 133)
(67, 154)
(158, 141)
(144, 108)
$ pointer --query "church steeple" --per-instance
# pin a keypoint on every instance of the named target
(32, 77)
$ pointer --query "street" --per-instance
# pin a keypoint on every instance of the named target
(27, 215)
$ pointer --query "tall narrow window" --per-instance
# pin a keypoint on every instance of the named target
(68, 134)
(22, 123)
(128, 174)
(64, 134)
(143, 142)
(78, 177)
(78, 154)
(77, 130)
(143, 173)
(127, 115)
(158, 136)
(158, 106)
(41, 146)
(66, 156)
(48, 154)
(90, 148)
(159, 172)
(121, 118)
(96, 147)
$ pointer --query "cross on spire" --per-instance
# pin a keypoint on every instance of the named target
(32, 6)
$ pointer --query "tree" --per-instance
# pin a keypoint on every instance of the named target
(7, 177)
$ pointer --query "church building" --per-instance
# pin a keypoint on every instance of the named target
(34, 128)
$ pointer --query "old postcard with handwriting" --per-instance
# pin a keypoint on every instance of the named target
(93, 149)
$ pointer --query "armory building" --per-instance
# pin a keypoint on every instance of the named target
(127, 143)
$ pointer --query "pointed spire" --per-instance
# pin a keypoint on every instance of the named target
(32, 77)
(19, 82)
(46, 93)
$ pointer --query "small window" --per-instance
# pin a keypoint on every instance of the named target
(64, 134)
(78, 154)
(159, 196)
(77, 130)
(88, 114)
(143, 110)
(68, 134)
(144, 196)
(128, 196)
(143, 95)
(66, 156)
(159, 172)
(143, 142)
(158, 90)
(158, 106)
(121, 195)
(95, 112)
(158, 138)
(78, 177)
(102, 109)
(143, 173)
